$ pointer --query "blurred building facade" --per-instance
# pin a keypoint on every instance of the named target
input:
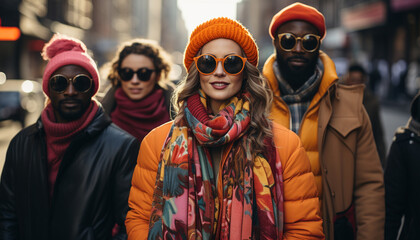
(101, 24)
(357, 30)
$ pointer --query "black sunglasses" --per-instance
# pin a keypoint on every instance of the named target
(288, 42)
(81, 83)
(143, 74)
(232, 64)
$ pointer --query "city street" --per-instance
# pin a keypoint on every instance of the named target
(393, 116)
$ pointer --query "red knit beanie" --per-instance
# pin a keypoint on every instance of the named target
(298, 11)
(62, 50)
(220, 28)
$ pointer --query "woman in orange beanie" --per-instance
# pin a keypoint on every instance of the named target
(221, 169)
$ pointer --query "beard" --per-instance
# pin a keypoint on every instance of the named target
(71, 116)
(296, 76)
(72, 113)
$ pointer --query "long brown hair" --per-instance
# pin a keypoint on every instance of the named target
(149, 48)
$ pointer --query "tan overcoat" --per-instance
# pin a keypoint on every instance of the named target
(337, 132)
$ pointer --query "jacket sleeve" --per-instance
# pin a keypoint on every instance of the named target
(143, 184)
(396, 184)
(301, 204)
(369, 193)
(8, 217)
(123, 175)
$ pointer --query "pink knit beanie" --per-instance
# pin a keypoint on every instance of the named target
(62, 50)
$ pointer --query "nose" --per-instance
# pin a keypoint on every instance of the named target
(135, 79)
(70, 91)
(219, 70)
(298, 48)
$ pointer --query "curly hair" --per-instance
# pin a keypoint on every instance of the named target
(261, 98)
(149, 48)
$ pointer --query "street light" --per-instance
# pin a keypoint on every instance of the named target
(9, 33)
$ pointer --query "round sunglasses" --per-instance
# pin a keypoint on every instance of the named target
(232, 64)
(288, 42)
(81, 83)
(143, 74)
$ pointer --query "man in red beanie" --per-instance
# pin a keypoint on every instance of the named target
(331, 122)
(68, 175)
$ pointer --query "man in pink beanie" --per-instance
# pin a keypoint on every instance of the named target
(68, 175)
(331, 122)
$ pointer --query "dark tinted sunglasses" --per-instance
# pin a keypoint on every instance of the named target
(288, 42)
(81, 83)
(232, 64)
(143, 74)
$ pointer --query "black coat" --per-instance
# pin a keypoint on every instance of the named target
(90, 193)
(402, 186)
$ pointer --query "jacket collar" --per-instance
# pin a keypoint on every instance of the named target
(99, 122)
(328, 79)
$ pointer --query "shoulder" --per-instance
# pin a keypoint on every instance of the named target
(152, 144)
(287, 144)
(114, 135)
(283, 136)
(349, 96)
(158, 134)
(403, 134)
(151, 148)
(26, 133)
(114, 131)
(348, 112)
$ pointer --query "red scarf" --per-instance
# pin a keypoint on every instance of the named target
(139, 117)
(59, 137)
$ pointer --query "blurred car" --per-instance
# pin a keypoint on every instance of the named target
(18, 98)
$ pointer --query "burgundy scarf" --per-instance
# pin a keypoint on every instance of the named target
(139, 117)
(59, 136)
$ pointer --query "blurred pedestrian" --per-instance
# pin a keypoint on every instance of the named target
(331, 122)
(379, 78)
(375, 77)
(68, 175)
(139, 99)
(357, 75)
(225, 172)
(402, 193)
(398, 77)
(413, 77)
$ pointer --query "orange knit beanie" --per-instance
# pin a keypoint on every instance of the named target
(220, 28)
(298, 11)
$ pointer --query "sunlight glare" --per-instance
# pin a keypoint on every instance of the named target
(196, 12)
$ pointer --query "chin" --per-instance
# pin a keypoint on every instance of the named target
(298, 69)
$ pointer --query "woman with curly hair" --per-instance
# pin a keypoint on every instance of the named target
(222, 169)
(139, 99)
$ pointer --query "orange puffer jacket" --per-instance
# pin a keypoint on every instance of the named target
(301, 210)
(308, 130)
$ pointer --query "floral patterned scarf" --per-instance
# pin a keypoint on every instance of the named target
(186, 203)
